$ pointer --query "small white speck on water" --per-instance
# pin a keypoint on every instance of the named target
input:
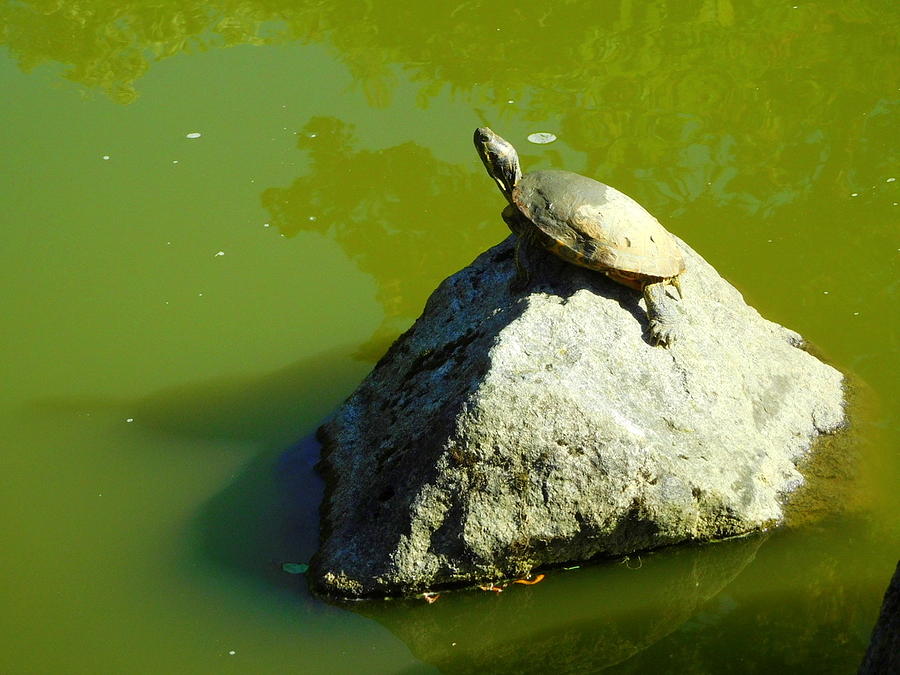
(312, 218)
(100, 495)
(105, 156)
(313, 135)
(769, 241)
(890, 180)
(168, 243)
(165, 302)
(266, 225)
(824, 292)
(194, 134)
(174, 161)
(452, 644)
(855, 313)
(199, 295)
(510, 101)
(129, 419)
(854, 194)
(220, 253)
(232, 653)
(252, 180)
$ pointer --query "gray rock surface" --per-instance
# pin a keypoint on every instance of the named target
(506, 432)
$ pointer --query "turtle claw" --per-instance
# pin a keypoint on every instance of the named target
(662, 334)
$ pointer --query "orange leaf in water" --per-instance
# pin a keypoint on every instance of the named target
(431, 598)
(538, 579)
(491, 587)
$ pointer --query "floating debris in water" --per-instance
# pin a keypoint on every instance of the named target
(218, 254)
(311, 218)
(129, 419)
(854, 194)
(542, 137)
(105, 156)
(890, 180)
(491, 587)
(194, 134)
(266, 225)
(174, 161)
(232, 653)
(530, 582)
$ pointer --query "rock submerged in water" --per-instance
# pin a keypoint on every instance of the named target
(507, 432)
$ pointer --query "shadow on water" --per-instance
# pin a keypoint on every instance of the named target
(268, 514)
(266, 517)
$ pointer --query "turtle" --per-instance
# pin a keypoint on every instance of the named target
(589, 224)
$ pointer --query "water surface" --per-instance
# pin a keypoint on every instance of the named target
(179, 313)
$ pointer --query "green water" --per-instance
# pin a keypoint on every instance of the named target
(178, 314)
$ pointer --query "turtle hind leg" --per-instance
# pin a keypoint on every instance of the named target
(663, 312)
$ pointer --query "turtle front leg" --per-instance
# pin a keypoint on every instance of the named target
(663, 313)
(519, 227)
(523, 274)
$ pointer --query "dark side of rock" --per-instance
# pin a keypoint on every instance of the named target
(506, 432)
(883, 655)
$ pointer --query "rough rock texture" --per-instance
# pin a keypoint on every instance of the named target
(883, 655)
(505, 432)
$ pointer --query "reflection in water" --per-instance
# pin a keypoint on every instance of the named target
(572, 622)
(711, 100)
(670, 611)
(398, 213)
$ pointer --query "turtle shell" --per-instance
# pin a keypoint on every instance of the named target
(596, 226)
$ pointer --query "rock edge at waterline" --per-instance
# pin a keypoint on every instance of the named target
(506, 432)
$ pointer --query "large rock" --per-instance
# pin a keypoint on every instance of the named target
(505, 432)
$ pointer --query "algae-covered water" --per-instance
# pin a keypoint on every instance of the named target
(217, 216)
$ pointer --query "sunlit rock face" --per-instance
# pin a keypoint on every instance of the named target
(505, 432)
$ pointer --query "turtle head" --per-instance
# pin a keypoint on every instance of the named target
(500, 159)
